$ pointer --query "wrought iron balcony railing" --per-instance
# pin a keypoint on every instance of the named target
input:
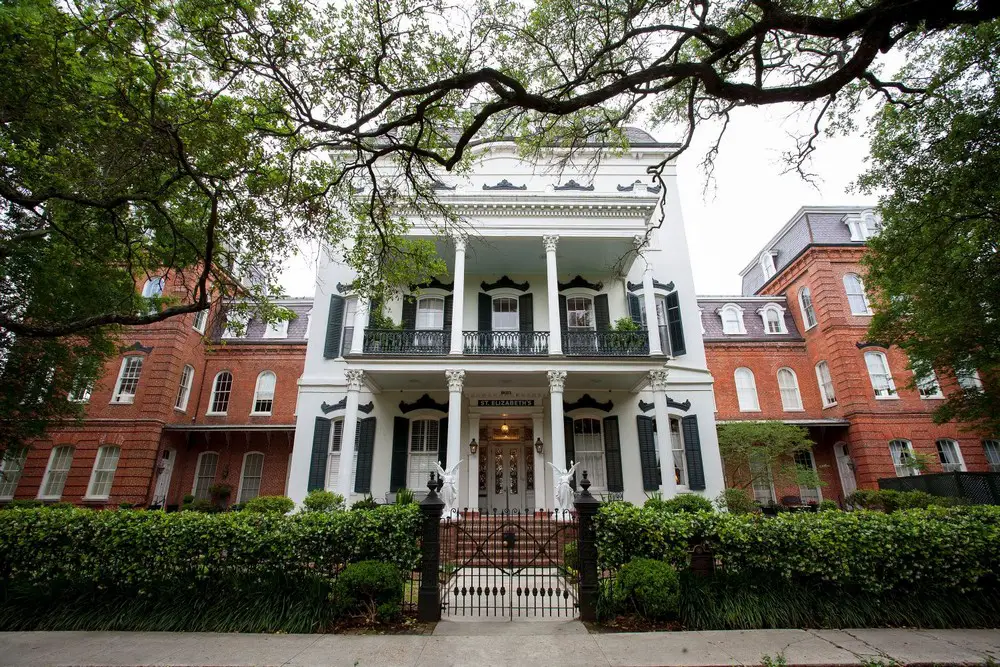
(407, 341)
(506, 343)
(606, 343)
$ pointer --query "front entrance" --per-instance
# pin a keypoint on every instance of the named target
(163, 481)
(508, 477)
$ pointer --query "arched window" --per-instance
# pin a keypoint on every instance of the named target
(103, 474)
(773, 318)
(902, 458)
(204, 474)
(153, 288)
(253, 471)
(788, 384)
(430, 313)
(950, 455)
(184, 390)
(588, 443)
(878, 373)
(806, 305)
(746, 390)
(56, 472)
(424, 435)
(263, 394)
(992, 450)
(505, 315)
(732, 319)
(767, 263)
(825, 381)
(856, 297)
(222, 387)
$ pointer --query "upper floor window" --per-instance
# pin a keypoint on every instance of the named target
(992, 451)
(184, 390)
(580, 313)
(204, 474)
(588, 443)
(153, 288)
(277, 330)
(902, 458)
(346, 326)
(11, 467)
(200, 321)
(950, 455)
(81, 391)
(263, 395)
(788, 385)
(969, 380)
(222, 387)
(856, 297)
(732, 319)
(103, 473)
(236, 325)
(424, 434)
(430, 313)
(863, 226)
(56, 472)
(505, 315)
(806, 305)
(878, 373)
(825, 381)
(929, 387)
(772, 315)
(746, 390)
(128, 380)
(253, 471)
(767, 263)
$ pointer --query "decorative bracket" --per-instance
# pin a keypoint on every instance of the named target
(137, 347)
(505, 281)
(579, 281)
(425, 402)
(588, 401)
(635, 287)
(504, 185)
(573, 185)
(327, 408)
(349, 287)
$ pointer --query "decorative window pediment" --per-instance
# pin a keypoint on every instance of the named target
(772, 316)
(732, 319)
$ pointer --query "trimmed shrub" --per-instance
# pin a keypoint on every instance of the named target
(890, 500)
(23, 503)
(270, 505)
(323, 501)
(736, 501)
(650, 587)
(684, 502)
(204, 505)
(366, 503)
(827, 506)
(371, 588)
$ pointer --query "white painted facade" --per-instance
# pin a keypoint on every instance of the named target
(539, 232)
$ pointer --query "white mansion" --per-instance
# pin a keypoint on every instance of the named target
(514, 361)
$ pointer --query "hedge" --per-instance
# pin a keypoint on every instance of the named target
(144, 552)
(926, 550)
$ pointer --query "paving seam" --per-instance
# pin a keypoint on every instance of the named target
(311, 644)
(876, 649)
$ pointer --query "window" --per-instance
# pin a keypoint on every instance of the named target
(81, 394)
(104, 472)
(430, 313)
(929, 387)
(732, 319)
(580, 313)
(276, 330)
(347, 325)
(263, 395)
(222, 387)
(253, 469)
(902, 458)
(589, 446)
(767, 263)
(505, 316)
(969, 380)
(200, 320)
(237, 325)
(423, 451)
(863, 226)
(788, 384)
(333, 460)
(184, 390)
(677, 446)
(878, 372)
(11, 467)
(825, 384)
(204, 474)
(309, 321)
(805, 460)
(772, 315)
(56, 472)
(806, 305)
(992, 450)
(128, 380)
(153, 288)
(761, 480)
(856, 297)
(950, 455)
(746, 390)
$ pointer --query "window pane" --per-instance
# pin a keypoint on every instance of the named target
(992, 449)
(221, 391)
(184, 390)
(205, 474)
(104, 472)
(808, 494)
(789, 387)
(263, 400)
(677, 445)
(856, 295)
(760, 473)
(11, 467)
(423, 452)
(589, 446)
(825, 383)
(773, 319)
(746, 389)
(579, 313)
(902, 458)
(58, 469)
(505, 316)
(128, 380)
(430, 313)
(878, 372)
(808, 313)
(948, 455)
(253, 469)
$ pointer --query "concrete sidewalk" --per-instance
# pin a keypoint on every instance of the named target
(526, 643)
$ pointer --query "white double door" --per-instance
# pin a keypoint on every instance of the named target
(509, 477)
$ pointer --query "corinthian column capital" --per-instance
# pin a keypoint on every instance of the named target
(354, 379)
(550, 241)
(658, 380)
(557, 380)
(456, 379)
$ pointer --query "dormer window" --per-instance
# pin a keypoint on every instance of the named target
(767, 263)
(236, 325)
(732, 319)
(863, 226)
(773, 317)
(277, 330)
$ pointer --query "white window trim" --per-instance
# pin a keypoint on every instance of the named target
(798, 389)
(121, 376)
(422, 415)
(909, 447)
(48, 471)
(187, 394)
(584, 293)
(756, 395)
(211, 394)
(21, 458)
(739, 314)
(243, 469)
(805, 312)
(309, 317)
(599, 416)
(766, 261)
(819, 381)
(430, 293)
(926, 380)
(958, 453)
(256, 389)
(276, 330)
(893, 393)
(204, 322)
(242, 319)
(762, 312)
(864, 296)
(197, 467)
(93, 473)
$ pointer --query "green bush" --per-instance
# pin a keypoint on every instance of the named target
(371, 588)
(23, 503)
(270, 505)
(323, 501)
(204, 505)
(736, 501)
(649, 587)
(366, 503)
(683, 502)
(890, 500)
(827, 506)
(571, 557)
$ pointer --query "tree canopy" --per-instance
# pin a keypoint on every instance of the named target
(763, 452)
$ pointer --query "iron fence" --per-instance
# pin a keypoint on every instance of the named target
(977, 488)
(606, 343)
(506, 343)
(407, 341)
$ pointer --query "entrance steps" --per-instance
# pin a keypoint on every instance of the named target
(506, 541)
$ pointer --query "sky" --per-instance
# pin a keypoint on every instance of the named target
(751, 198)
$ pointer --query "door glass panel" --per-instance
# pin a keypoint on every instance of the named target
(529, 470)
(513, 470)
(498, 471)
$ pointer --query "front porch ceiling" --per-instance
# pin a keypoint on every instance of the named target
(513, 380)
(591, 257)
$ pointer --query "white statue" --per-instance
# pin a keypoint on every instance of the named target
(449, 488)
(563, 491)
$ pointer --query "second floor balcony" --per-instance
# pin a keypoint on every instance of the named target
(422, 342)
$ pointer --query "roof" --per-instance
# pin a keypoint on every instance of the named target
(256, 328)
(711, 320)
(637, 138)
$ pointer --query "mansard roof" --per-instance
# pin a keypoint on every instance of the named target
(711, 320)
(637, 138)
(256, 328)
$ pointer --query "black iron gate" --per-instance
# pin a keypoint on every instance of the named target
(509, 564)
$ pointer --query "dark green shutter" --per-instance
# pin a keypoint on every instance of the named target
(334, 324)
(647, 453)
(448, 305)
(400, 453)
(409, 312)
(562, 314)
(635, 308)
(485, 312)
(374, 307)
(525, 313)
(570, 446)
(602, 313)
(443, 442)
(613, 455)
(320, 452)
(366, 452)
(692, 450)
(674, 326)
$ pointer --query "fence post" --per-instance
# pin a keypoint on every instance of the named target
(429, 596)
(586, 507)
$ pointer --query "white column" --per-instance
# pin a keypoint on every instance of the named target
(557, 381)
(360, 322)
(344, 486)
(456, 378)
(552, 277)
(474, 462)
(538, 428)
(649, 297)
(658, 383)
(458, 300)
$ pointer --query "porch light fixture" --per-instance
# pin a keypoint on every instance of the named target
(504, 428)
(473, 446)
(539, 446)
